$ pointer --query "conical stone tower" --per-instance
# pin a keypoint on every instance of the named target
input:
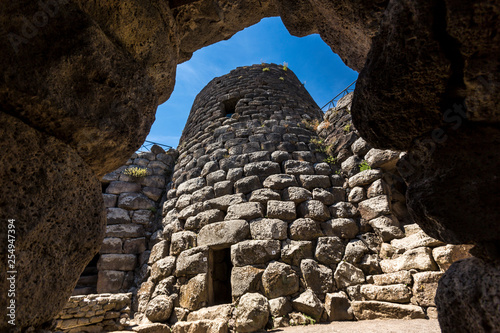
(249, 193)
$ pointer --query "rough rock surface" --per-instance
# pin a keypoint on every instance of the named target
(308, 303)
(194, 294)
(279, 280)
(424, 286)
(469, 286)
(440, 170)
(338, 306)
(203, 325)
(419, 259)
(221, 234)
(451, 129)
(252, 313)
(223, 311)
(374, 309)
(246, 279)
(159, 309)
(90, 74)
(46, 189)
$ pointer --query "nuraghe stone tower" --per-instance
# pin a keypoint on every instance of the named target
(257, 229)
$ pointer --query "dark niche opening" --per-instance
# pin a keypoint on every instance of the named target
(229, 106)
(219, 277)
(87, 283)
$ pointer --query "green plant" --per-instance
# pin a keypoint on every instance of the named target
(320, 145)
(282, 78)
(330, 160)
(338, 172)
(316, 141)
(265, 69)
(285, 66)
(311, 125)
(136, 172)
(153, 210)
(311, 319)
(347, 128)
(364, 166)
(321, 149)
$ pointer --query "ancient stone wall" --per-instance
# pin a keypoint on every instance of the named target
(276, 210)
(95, 313)
(131, 207)
(82, 81)
(272, 217)
(402, 265)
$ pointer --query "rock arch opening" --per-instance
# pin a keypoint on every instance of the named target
(313, 61)
(91, 63)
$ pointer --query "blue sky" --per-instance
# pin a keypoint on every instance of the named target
(268, 41)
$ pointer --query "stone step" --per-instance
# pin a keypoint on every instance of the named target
(84, 291)
(90, 270)
(87, 281)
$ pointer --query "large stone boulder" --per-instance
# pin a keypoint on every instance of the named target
(279, 280)
(201, 326)
(90, 74)
(308, 303)
(221, 234)
(442, 169)
(159, 309)
(223, 311)
(194, 294)
(424, 287)
(251, 313)
(396, 293)
(338, 306)
(292, 252)
(246, 279)
(458, 98)
(470, 286)
(317, 277)
(255, 252)
(113, 98)
(364, 310)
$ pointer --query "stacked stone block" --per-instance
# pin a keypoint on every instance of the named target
(400, 263)
(312, 238)
(256, 210)
(95, 313)
(131, 206)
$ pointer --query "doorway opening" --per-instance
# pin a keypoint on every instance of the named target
(219, 276)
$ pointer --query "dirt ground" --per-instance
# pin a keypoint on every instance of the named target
(368, 326)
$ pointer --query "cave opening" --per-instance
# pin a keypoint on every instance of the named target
(323, 72)
(219, 277)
